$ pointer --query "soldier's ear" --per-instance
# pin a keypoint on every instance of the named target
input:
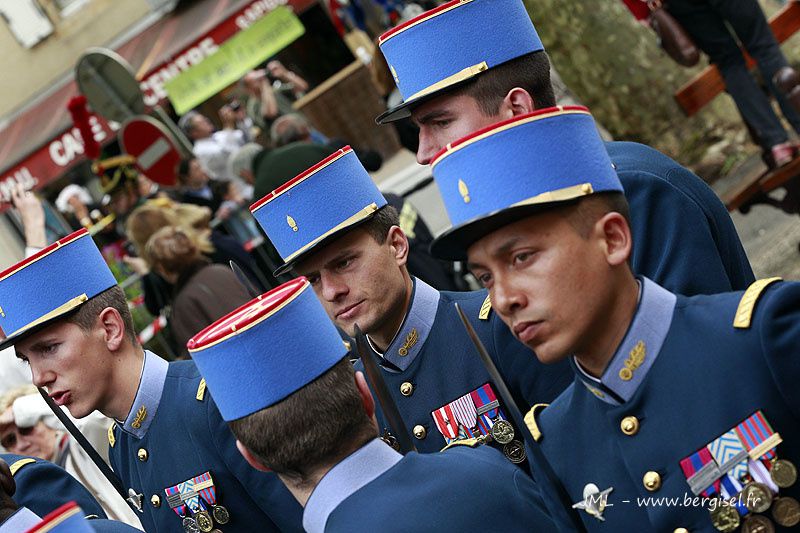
(398, 241)
(519, 102)
(366, 395)
(113, 327)
(250, 458)
(615, 234)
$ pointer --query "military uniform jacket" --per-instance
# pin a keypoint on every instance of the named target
(432, 362)
(692, 378)
(43, 486)
(174, 434)
(377, 489)
(684, 237)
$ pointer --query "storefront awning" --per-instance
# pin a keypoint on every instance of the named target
(40, 144)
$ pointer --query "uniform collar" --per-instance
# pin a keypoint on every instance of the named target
(148, 396)
(417, 324)
(357, 470)
(638, 349)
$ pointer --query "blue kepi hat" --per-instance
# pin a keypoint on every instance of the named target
(452, 44)
(267, 349)
(507, 171)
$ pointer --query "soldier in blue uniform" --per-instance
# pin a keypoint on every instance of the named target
(66, 316)
(484, 62)
(683, 415)
(332, 225)
(42, 486)
(282, 379)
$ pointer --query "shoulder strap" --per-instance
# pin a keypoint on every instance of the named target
(471, 443)
(530, 420)
(19, 464)
(744, 313)
(486, 309)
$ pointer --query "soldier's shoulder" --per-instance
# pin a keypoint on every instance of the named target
(476, 304)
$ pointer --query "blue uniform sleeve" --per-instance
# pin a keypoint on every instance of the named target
(269, 492)
(43, 487)
(779, 324)
(684, 238)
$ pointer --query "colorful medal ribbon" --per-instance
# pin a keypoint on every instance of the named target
(758, 437)
(207, 491)
(488, 408)
(760, 474)
(466, 414)
(446, 422)
(176, 502)
(702, 473)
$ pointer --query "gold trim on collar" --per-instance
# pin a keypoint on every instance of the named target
(530, 421)
(58, 311)
(141, 414)
(411, 340)
(557, 111)
(19, 464)
(424, 19)
(201, 390)
(359, 216)
(744, 313)
(486, 309)
(459, 76)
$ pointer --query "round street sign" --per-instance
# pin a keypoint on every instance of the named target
(149, 141)
(108, 83)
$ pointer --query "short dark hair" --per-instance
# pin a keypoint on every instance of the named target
(318, 425)
(583, 214)
(530, 72)
(381, 222)
(85, 317)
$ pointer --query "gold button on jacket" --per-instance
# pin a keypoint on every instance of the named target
(142, 454)
(407, 388)
(420, 432)
(155, 500)
(652, 481)
(629, 425)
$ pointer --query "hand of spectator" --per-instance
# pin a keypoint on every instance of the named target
(7, 488)
(137, 264)
(277, 69)
(32, 214)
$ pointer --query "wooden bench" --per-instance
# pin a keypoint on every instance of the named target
(707, 85)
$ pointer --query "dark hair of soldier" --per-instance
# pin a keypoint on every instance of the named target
(532, 73)
(316, 426)
(381, 222)
(85, 317)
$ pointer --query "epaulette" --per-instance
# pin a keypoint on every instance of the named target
(530, 421)
(408, 219)
(472, 443)
(112, 440)
(744, 313)
(486, 309)
(201, 390)
(16, 465)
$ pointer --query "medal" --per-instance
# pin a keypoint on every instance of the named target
(725, 517)
(758, 524)
(503, 431)
(757, 497)
(190, 525)
(221, 515)
(204, 522)
(783, 473)
(786, 511)
(515, 452)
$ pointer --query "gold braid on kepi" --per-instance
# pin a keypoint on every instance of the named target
(115, 172)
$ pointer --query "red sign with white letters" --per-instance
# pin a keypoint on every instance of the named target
(152, 145)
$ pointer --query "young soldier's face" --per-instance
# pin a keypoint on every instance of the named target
(445, 119)
(68, 362)
(547, 282)
(358, 280)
